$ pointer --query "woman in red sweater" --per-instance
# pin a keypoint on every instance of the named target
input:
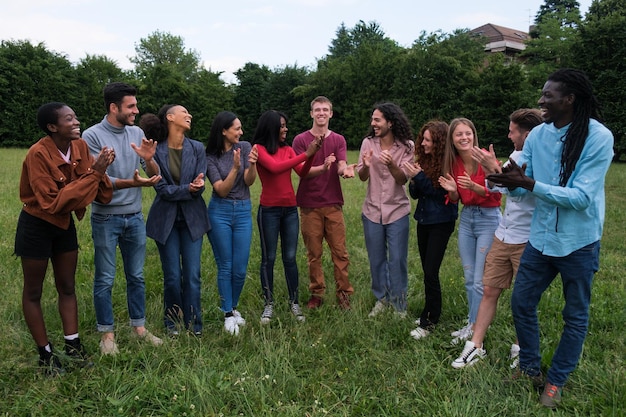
(278, 212)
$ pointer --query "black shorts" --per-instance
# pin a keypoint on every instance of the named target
(36, 238)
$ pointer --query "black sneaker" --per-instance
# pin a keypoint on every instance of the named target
(77, 354)
(49, 363)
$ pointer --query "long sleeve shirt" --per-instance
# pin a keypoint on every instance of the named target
(51, 188)
(386, 200)
(571, 217)
(514, 227)
(432, 204)
(469, 197)
(275, 175)
(127, 200)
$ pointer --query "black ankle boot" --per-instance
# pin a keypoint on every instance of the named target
(77, 353)
(49, 363)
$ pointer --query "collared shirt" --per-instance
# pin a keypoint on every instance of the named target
(514, 228)
(571, 217)
(469, 197)
(386, 200)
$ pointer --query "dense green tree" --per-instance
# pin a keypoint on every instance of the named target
(168, 73)
(30, 76)
(600, 52)
(434, 74)
(163, 48)
(92, 73)
(283, 87)
(502, 88)
(260, 89)
(358, 72)
(552, 38)
(208, 96)
(251, 95)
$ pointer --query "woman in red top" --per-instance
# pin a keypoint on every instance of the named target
(278, 212)
(59, 177)
(465, 180)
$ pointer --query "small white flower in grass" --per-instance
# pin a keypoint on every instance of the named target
(192, 407)
(175, 397)
(136, 397)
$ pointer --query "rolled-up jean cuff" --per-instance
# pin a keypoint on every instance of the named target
(138, 322)
(105, 328)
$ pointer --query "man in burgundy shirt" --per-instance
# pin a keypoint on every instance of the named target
(320, 200)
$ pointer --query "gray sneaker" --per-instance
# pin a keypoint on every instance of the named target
(268, 312)
(295, 309)
(378, 308)
(551, 396)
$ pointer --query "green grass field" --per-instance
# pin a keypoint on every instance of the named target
(336, 363)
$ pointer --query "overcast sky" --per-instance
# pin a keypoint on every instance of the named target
(227, 34)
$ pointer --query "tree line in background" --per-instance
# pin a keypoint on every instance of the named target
(440, 76)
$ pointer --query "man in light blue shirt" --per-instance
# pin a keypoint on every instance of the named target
(564, 164)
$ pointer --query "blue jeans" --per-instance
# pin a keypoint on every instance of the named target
(536, 273)
(180, 261)
(275, 221)
(230, 238)
(129, 232)
(388, 250)
(476, 229)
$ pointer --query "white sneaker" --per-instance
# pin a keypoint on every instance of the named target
(464, 335)
(268, 312)
(108, 347)
(461, 330)
(419, 333)
(230, 325)
(379, 307)
(400, 314)
(514, 356)
(147, 336)
(240, 320)
(295, 309)
(470, 355)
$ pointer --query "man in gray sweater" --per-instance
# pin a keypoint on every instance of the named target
(121, 221)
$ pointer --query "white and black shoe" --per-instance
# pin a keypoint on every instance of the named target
(470, 355)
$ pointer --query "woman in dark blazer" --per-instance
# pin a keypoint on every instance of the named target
(178, 217)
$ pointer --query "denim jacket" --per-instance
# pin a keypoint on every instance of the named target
(431, 202)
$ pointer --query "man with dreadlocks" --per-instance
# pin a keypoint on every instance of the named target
(564, 163)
